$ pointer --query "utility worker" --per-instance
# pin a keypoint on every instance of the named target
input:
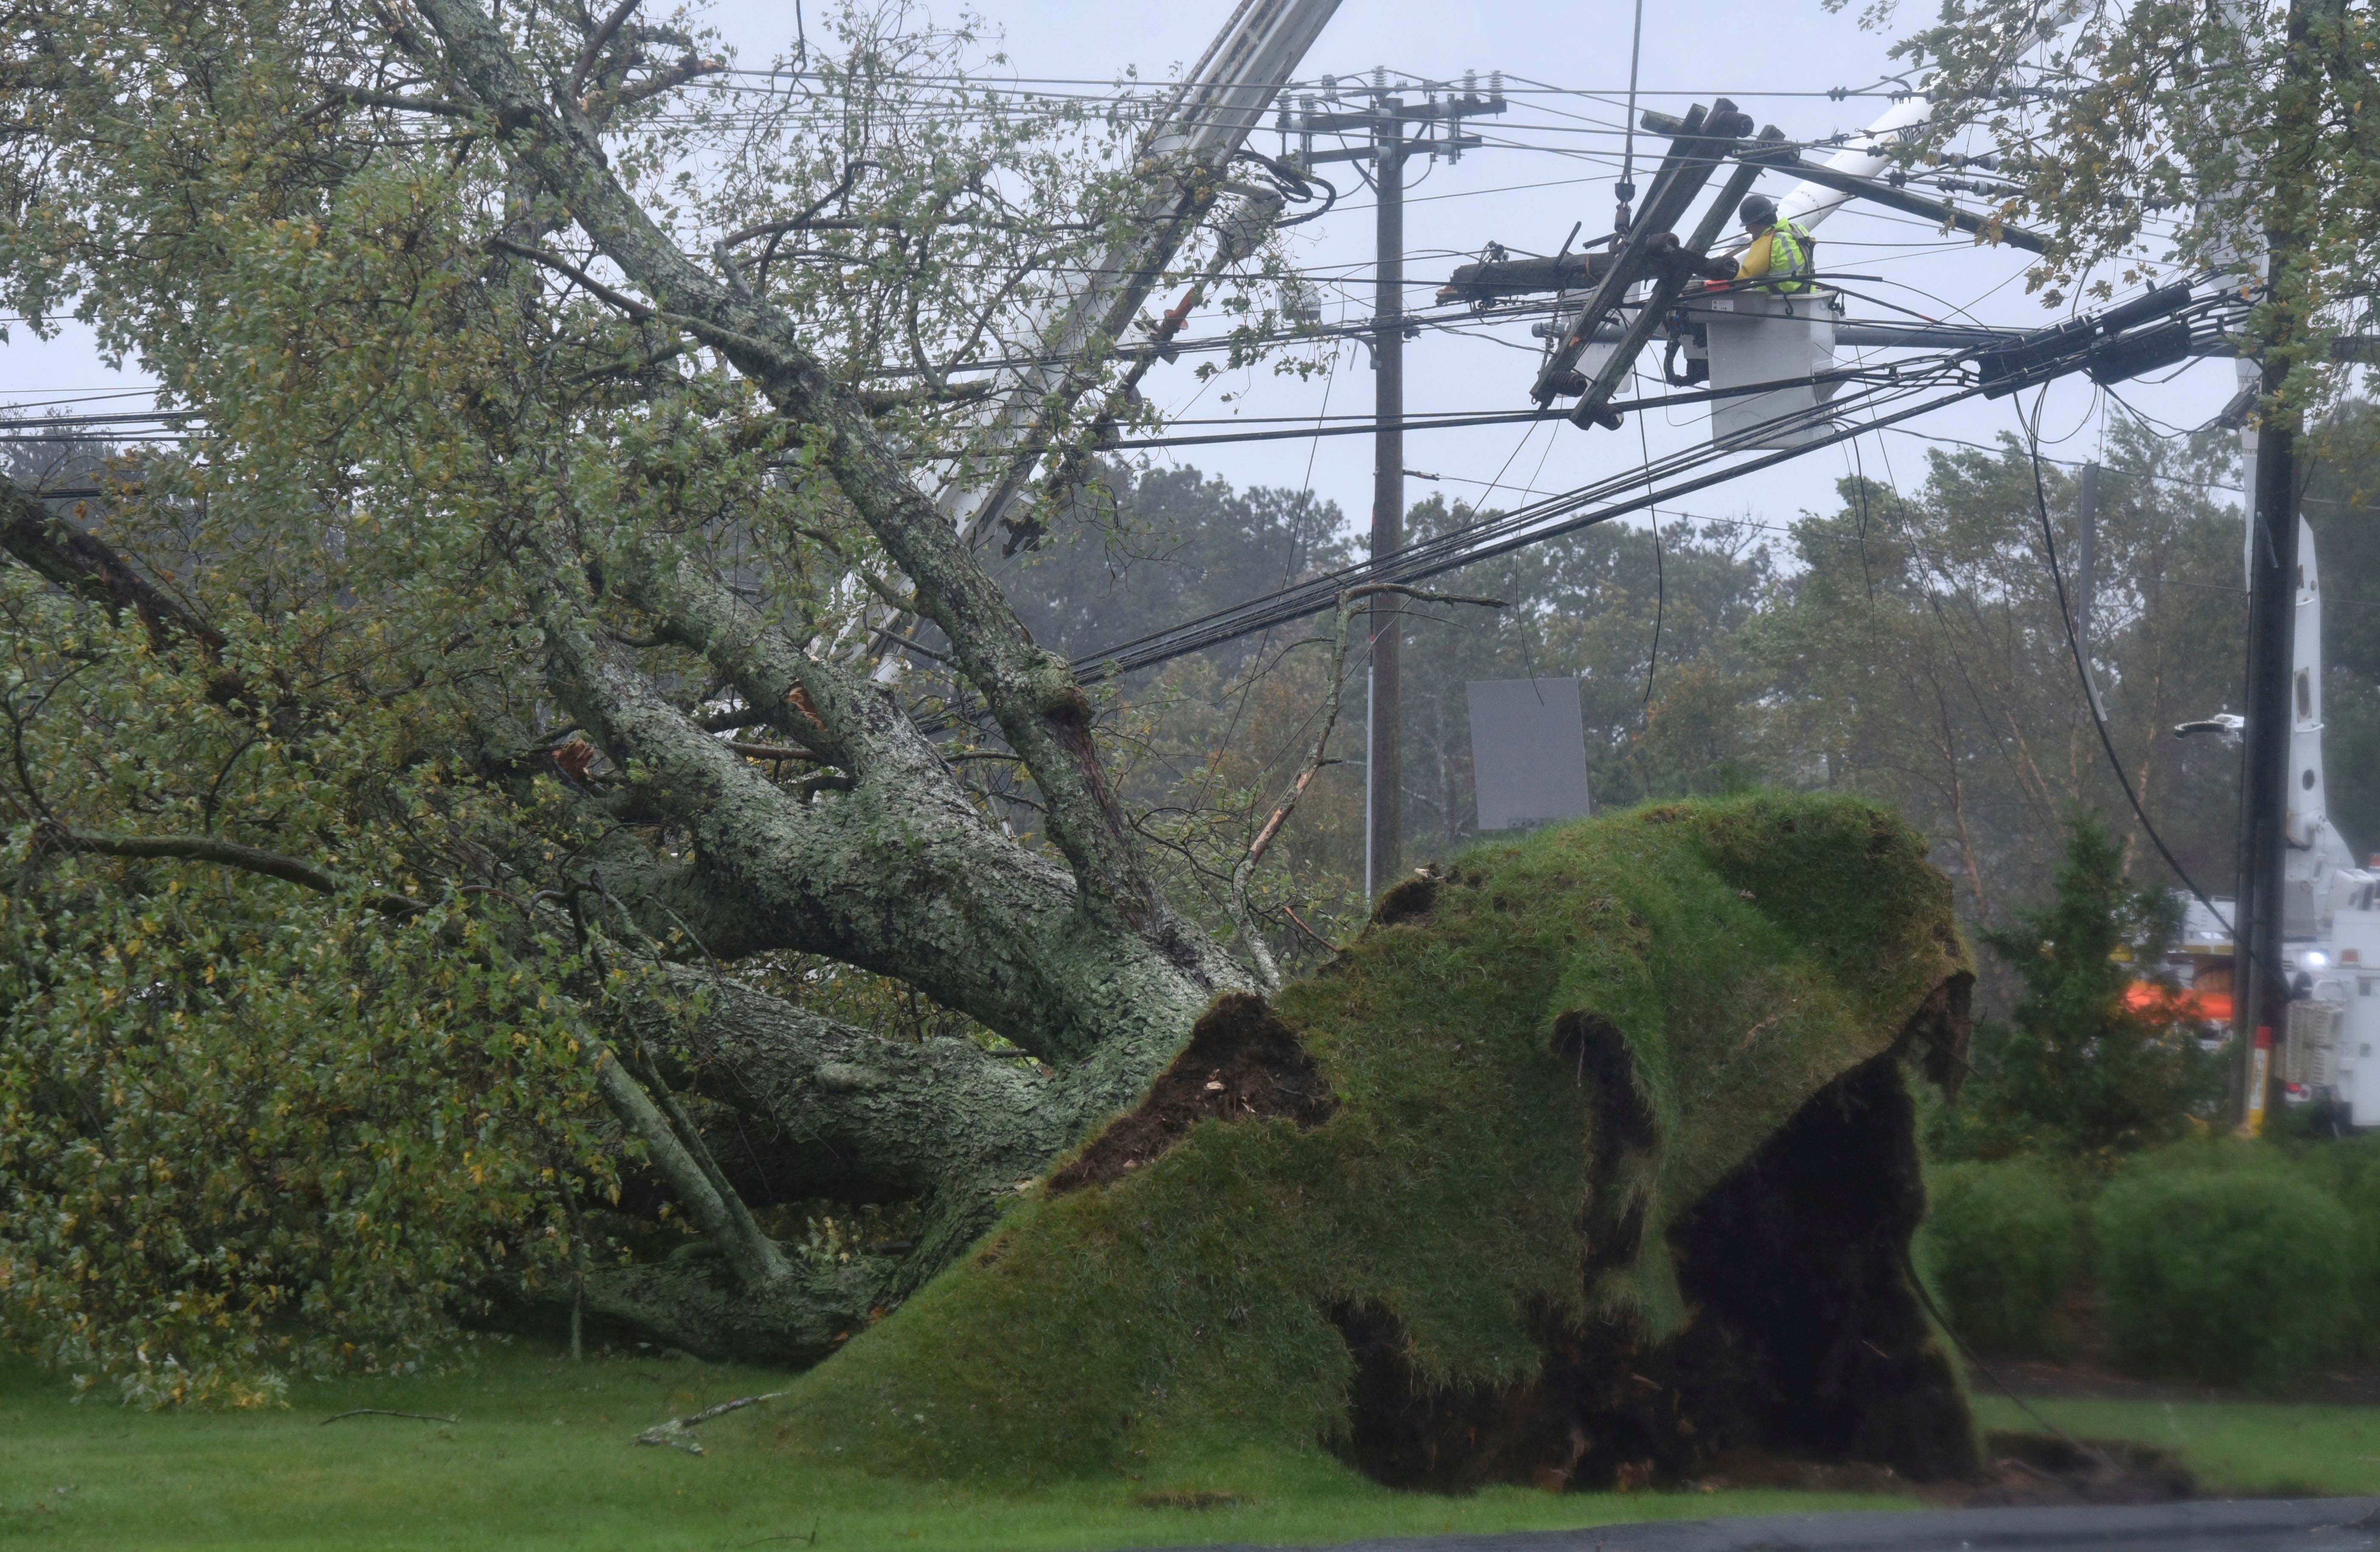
(1781, 257)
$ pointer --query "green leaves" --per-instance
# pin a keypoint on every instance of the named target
(2081, 1071)
(237, 1140)
(246, 1130)
(2163, 138)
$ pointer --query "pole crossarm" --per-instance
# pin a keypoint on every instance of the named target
(1789, 159)
(1671, 285)
(1704, 138)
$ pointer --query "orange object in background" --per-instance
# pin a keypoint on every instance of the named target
(2207, 1007)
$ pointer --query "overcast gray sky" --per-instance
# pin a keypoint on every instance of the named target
(1777, 61)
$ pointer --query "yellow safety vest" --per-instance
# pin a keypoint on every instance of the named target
(1789, 258)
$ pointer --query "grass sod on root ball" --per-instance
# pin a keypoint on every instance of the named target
(1545, 1067)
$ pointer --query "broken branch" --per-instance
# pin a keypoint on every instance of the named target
(384, 1412)
(595, 42)
(1267, 969)
(677, 1433)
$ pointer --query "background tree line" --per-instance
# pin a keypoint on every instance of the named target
(1908, 645)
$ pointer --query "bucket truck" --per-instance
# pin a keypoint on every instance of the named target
(2330, 920)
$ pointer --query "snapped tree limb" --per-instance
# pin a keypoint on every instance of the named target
(1041, 711)
(1268, 969)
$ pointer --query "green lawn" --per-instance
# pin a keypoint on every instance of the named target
(2241, 1446)
(541, 1459)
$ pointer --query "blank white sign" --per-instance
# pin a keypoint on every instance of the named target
(1528, 751)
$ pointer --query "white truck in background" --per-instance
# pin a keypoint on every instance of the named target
(2330, 924)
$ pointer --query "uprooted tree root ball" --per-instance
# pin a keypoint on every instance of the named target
(1592, 1162)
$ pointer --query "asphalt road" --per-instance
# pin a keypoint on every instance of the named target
(2210, 1525)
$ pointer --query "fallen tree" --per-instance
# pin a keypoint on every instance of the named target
(591, 621)
(475, 741)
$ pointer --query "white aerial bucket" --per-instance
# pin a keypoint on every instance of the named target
(1754, 337)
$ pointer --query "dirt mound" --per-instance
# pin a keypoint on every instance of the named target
(1242, 1064)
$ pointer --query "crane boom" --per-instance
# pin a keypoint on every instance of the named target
(1221, 98)
(1870, 157)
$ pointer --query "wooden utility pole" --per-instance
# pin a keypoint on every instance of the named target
(1384, 785)
(2086, 568)
(1398, 131)
(2260, 989)
(2260, 1009)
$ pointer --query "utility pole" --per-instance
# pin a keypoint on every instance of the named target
(2260, 990)
(1384, 782)
(2087, 581)
(2260, 1004)
(1398, 131)
(2086, 520)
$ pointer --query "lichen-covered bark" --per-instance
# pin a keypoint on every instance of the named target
(855, 1117)
(823, 1109)
(1041, 711)
(692, 1302)
(899, 874)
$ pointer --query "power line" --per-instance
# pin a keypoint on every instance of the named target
(2099, 721)
(1529, 525)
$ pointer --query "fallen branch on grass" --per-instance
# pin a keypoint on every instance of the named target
(677, 1433)
(383, 1411)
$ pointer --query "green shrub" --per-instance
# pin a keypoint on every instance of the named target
(2350, 1171)
(2229, 1276)
(2079, 1070)
(2001, 1243)
(2215, 1152)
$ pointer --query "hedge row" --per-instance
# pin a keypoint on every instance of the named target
(2229, 1263)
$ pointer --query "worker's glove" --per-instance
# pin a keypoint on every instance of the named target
(1673, 259)
(1667, 258)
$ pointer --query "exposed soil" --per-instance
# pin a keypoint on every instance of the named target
(1411, 900)
(2037, 1469)
(1242, 1064)
(1808, 1337)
